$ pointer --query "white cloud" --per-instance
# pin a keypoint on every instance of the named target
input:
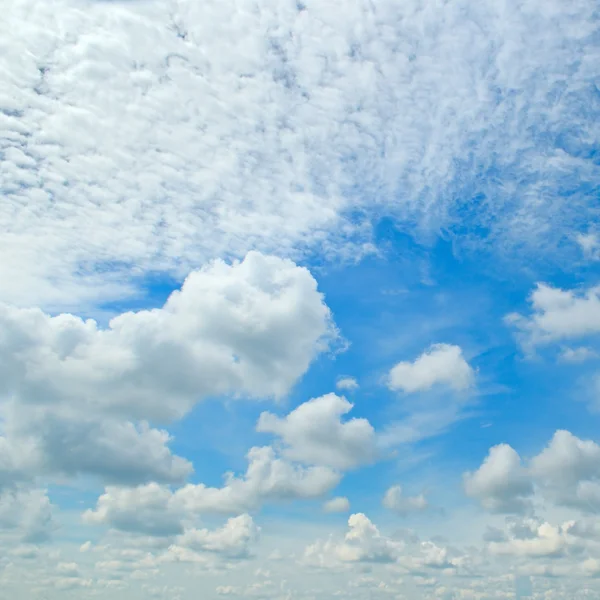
(534, 538)
(267, 479)
(233, 539)
(501, 483)
(394, 499)
(155, 510)
(75, 391)
(565, 473)
(577, 355)
(197, 146)
(27, 514)
(362, 543)
(568, 471)
(441, 364)
(147, 509)
(314, 433)
(249, 328)
(558, 315)
(336, 505)
(590, 245)
(347, 384)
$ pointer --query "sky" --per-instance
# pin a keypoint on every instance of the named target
(300, 299)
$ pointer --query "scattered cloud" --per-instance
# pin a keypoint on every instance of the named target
(441, 364)
(501, 483)
(314, 433)
(337, 505)
(348, 384)
(394, 499)
(558, 315)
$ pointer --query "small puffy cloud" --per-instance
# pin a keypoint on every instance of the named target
(232, 540)
(501, 483)
(558, 315)
(440, 364)
(590, 245)
(348, 384)
(314, 433)
(337, 505)
(395, 500)
(577, 355)
(362, 543)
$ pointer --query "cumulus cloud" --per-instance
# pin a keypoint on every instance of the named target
(146, 509)
(271, 142)
(78, 395)
(394, 499)
(558, 315)
(232, 540)
(564, 473)
(336, 505)
(533, 537)
(577, 355)
(568, 471)
(347, 384)
(314, 433)
(156, 510)
(441, 364)
(501, 483)
(362, 543)
(249, 328)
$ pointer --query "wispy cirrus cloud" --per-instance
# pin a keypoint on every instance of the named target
(150, 137)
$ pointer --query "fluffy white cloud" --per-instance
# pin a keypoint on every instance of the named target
(233, 539)
(155, 510)
(248, 328)
(558, 315)
(362, 543)
(501, 483)
(314, 433)
(441, 364)
(394, 499)
(568, 471)
(347, 383)
(338, 504)
(147, 509)
(268, 478)
(534, 537)
(196, 145)
(565, 473)
(75, 391)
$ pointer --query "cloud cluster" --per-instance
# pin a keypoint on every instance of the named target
(314, 433)
(441, 364)
(77, 396)
(558, 315)
(565, 473)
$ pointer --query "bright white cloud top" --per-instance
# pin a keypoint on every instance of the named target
(299, 299)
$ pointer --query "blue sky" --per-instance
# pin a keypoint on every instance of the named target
(299, 300)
